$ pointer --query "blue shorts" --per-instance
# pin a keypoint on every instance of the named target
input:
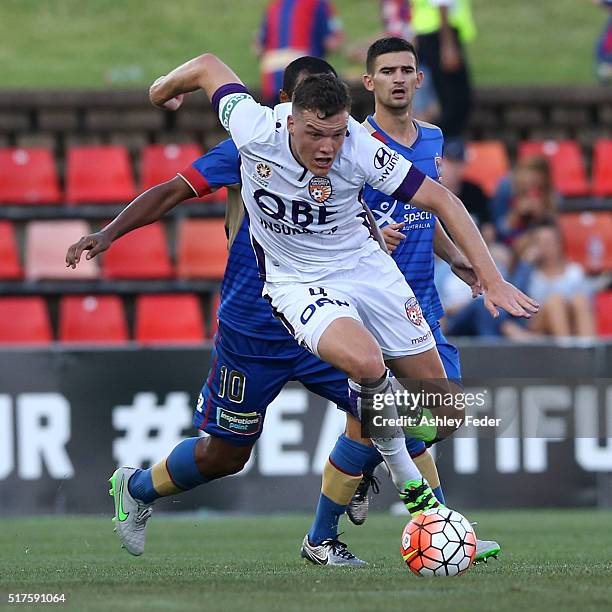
(449, 354)
(246, 374)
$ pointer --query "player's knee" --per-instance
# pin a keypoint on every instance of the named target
(365, 367)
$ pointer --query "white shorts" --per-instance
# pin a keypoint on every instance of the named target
(375, 293)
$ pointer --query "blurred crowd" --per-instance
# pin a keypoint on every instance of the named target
(520, 221)
(520, 225)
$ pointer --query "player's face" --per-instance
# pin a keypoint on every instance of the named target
(315, 141)
(394, 80)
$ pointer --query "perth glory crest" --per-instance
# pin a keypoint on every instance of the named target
(320, 188)
(414, 312)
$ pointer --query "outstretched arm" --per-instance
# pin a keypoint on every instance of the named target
(446, 249)
(220, 166)
(435, 198)
(147, 208)
(206, 72)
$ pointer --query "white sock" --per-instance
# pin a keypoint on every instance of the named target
(398, 460)
(393, 449)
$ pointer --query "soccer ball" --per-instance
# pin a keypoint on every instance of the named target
(438, 542)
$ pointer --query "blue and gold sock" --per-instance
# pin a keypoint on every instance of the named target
(178, 472)
(373, 460)
(341, 476)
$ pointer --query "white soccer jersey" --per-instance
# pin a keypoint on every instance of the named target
(304, 226)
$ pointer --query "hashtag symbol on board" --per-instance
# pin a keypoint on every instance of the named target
(151, 431)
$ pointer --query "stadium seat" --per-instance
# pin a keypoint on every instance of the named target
(161, 162)
(10, 267)
(486, 163)
(602, 168)
(587, 239)
(169, 319)
(92, 320)
(24, 320)
(45, 251)
(99, 174)
(567, 164)
(28, 176)
(603, 310)
(202, 249)
(141, 254)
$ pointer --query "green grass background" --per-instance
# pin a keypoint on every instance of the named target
(551, 560)
(97, 43)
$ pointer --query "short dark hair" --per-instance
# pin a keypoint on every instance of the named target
(324, 94)
(392, 44)
(304, 65)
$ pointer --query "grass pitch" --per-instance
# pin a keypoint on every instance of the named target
(551, 560)
(102, 43)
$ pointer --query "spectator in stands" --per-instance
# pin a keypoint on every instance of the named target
(291, 29)
(560, 287)
(442, 28)
(603, 50)
(395, 16)
(474, 198)
(465, 316)
(523, 199)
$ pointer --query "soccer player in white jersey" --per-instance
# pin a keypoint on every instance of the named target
(338, 293)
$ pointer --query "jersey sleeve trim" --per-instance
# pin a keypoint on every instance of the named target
(410, 185)
(226, 90)
(195, 180)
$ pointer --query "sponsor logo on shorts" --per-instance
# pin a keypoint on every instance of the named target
(229, 107)
(242, 423)
(421, 339)
(320, 188)
(413, 311)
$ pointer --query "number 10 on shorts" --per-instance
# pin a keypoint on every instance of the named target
(233, 383)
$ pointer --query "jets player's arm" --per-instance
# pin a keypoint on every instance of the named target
(446, 249)
(220, 166)
(205, 72)
(435, 198)
(147, 208)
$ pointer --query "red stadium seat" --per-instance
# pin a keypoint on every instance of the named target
(603, 310)
(142, 253)
(10, 267)
(486, 163)
(169, 319)
(28, 176)
(202, 249)
(45, 251)
(567, 164)
(92, 320)
(161, 162)
(602, 168)
(24, 320)
(99, 174)
(587, 239)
